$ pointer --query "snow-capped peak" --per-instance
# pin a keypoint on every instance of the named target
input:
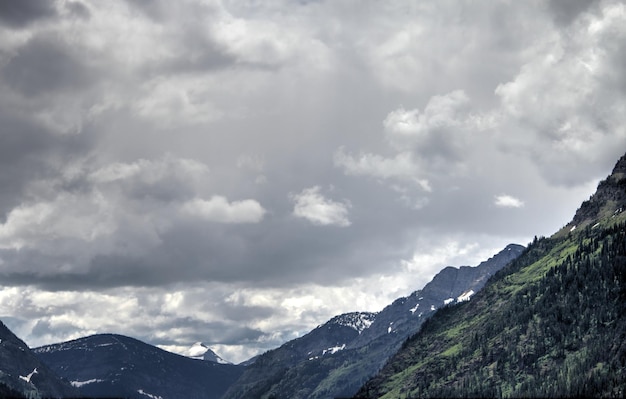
(202, 352)
(197, 350)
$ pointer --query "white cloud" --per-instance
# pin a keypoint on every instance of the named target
(312, 206)
(218, 209)
(508, 201)
(408, 129)
(402, 166)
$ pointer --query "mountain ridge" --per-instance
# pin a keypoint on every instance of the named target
(113, 365)
(305, 368)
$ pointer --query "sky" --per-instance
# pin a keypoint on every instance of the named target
(237, 172)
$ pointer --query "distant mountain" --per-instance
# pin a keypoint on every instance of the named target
(336, 358)
(22, 374)
(109, 365)
(202, 352)
(551, 324)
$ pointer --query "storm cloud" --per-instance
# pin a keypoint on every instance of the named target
(237, 173)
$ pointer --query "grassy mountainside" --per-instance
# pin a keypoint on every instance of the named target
(551, 324)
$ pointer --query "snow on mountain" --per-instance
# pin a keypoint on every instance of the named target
(202, 352)
(358, 321)
(465, 296)
(111, 365)
(23, 374)
(304, 367)
(79, 384)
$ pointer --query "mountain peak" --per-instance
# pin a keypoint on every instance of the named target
(608, 201)
(202, 352)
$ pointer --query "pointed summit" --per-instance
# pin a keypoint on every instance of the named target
(608, 201)
(202, 352)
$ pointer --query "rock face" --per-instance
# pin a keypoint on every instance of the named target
(23, 374)
(609, 199)
(335, 359)
(109, 365)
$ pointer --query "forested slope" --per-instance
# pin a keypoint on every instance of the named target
(551, 324)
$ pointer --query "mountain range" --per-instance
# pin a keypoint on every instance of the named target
(336, 358)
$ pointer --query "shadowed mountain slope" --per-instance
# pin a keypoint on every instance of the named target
(22, 373)
(109, 365)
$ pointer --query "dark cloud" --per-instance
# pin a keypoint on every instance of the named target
(153, 9)
(45, 65)
(206, 332)
(564, 12)
(78, 9)
(19, 14)
(29, 152)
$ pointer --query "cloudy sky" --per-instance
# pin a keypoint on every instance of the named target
(239, 171)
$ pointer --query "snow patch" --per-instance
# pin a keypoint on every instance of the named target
(79, 384)
(448, 301)
(197, 350)
(357, 321)
(412, 310)
(432, 307)
(29, 376)
(334, 349)
(151, 396)
(573, 228)
(465, 296)
(595, 225)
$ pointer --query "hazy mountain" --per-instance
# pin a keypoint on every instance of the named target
(108, 365)
(552, 323)
(23, 374)
(336, 358)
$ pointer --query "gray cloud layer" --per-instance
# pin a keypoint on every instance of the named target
(238, 172)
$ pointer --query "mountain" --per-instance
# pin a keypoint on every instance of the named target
(336, 358)
(22, 374)
(109, 365)
(202, 352)
(552, 323)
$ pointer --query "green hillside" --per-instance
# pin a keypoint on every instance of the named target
(551, 324)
